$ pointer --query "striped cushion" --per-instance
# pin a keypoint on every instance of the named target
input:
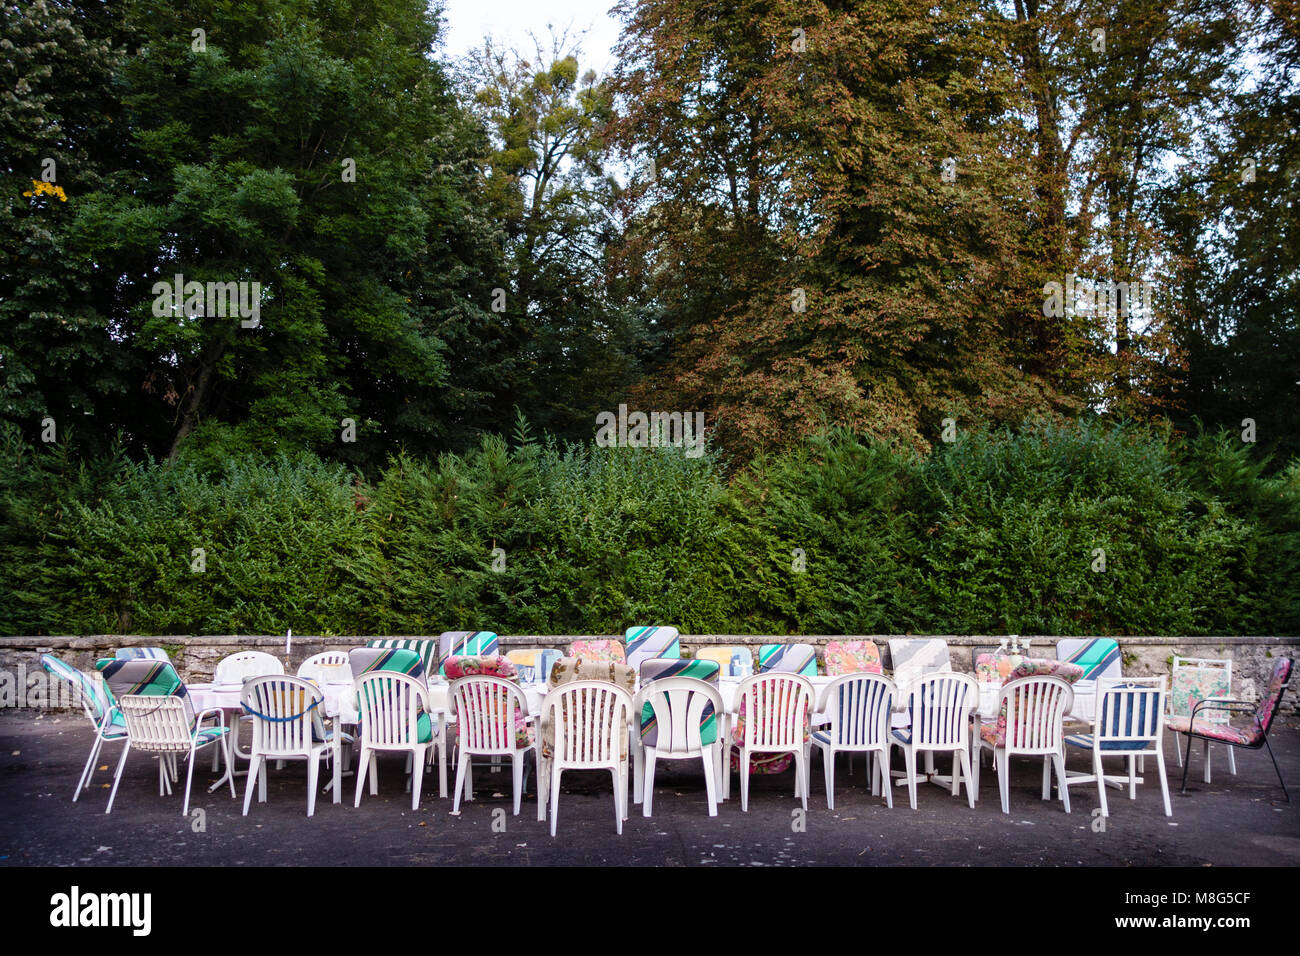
(653, 670)
(915, 657)
(822, 737)
(903, 735)
(141, 654)
(647, 643)
(1098, 656)
(1215, 731)
(1084, 742)
(467, 644)
(788, 659)
(150, 678)
(93, 692)
(402, 660)
(427, 649)
(208, 734)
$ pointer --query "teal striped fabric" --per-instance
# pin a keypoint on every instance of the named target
(403, 660)
(1098, 656)
(427, 649)
(652, 670)
(94, 693)
(149, 678)
(646, 643)
(788, 659)
(467, 644)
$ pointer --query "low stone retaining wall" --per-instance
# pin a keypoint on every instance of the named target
(196, 657)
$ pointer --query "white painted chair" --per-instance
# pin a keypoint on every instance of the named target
(168, 727)
(239, 667)
(589, 720)
(396, 715)
(686, 711)
(326, 667)
(773, 712)
(287, 725)
(1192, 680)
(859, 706)
(491, 721)
(940, 705)
(1035, 727)
(1129, 723)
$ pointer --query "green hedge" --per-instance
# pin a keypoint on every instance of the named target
(994, 533)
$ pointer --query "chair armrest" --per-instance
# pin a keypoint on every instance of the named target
(1223, 703)
(203, 715)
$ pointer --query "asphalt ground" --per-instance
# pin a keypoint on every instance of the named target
(1240, 820)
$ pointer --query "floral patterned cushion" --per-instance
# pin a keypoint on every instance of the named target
(1215, 731)
(457, 667)
(996, 668)
(1029, 667)
(570, 669)
(1192, 684)
(598, 650)
(852, 657)
(1264, 715)
(760, 762)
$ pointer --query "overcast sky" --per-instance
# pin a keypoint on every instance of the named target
(470, 21)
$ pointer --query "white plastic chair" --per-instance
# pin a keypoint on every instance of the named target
(166, 726)
(287, 725)
(239, 667)
(1130, 720)
(589, 720)
(940, 705)
(1036, 708)
(489, 713)
(776, 706)
(680, 706)
(396, 715)
(326, 667)
(859, 707)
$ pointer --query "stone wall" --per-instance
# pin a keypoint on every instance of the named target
(196, 657)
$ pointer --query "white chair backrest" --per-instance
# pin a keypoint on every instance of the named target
(912, 658)
(590, 720)
(486, 709)
(159, 724)
(284, 709)
(776, 708)
(940, 705)
(389, 704)
(1130, 710)
(1036, 709)
(680, 705)
(859, 707)
(238, 667)
(326, 667)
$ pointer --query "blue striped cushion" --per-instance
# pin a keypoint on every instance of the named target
(904, 735)
(1084, 742)
(822, 737)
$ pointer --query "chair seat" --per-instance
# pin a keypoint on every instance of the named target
(1084, 742)
(207, 734)
(1224, 732)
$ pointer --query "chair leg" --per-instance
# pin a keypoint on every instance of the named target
(462, 770)
(121, 762)
(88, 770)
(744, 779)
(313, 780)
(189, 779)
(710, 785)
(1205, 755)
(1101, 782)
(1277, 769)
(828, 770)
(964, 756)
(417, 778)
(1187, 763)
(1058, 760)
(974, 776)
(253, 767)
(1164, 784)
(638, 772)
(555, 795)
(1132, 777)
(649, 757)
(909, 758)
(801, 768)
(1178, 750)
(620, 794)
(1002, 761)
(543, 775)
(1047, 777)
(1232, 761)
(517, 766)
(361, 774)
(882, 774)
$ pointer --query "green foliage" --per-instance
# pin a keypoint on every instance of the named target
(993, 533)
